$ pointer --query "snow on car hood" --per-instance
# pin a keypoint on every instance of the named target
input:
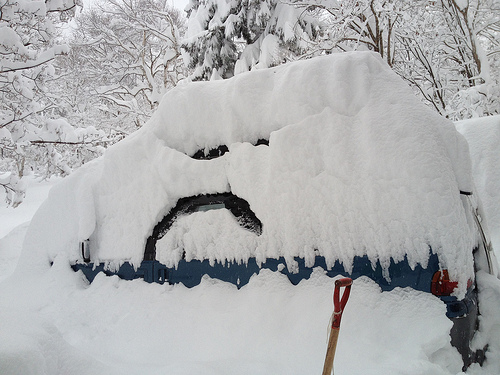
(356, 165)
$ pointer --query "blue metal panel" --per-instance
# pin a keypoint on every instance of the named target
(190, 274)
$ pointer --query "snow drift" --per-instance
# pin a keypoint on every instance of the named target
(356, 165)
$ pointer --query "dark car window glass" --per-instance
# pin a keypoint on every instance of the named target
(208, 207)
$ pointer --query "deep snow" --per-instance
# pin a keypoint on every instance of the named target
(61, 325)
(53, 322)
(58, 324)
(355, 163)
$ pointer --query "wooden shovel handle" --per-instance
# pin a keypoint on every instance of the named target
(330, 351)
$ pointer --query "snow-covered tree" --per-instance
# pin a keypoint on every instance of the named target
(228, 37)
(445, 49)
(128, 55)
(62, 105)
(27, 48)
(473, 36)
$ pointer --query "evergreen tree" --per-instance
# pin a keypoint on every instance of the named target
(228, 37)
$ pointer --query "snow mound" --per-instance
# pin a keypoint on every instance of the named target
(356, 165)
(64, 326)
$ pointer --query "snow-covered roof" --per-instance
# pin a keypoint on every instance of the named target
(355, 165)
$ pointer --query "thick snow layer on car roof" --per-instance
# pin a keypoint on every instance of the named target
(356, 165)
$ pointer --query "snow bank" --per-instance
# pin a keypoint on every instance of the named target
(62, 326)
(483, 136)
(355, 165)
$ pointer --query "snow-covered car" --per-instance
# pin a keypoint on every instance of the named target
(330, 163)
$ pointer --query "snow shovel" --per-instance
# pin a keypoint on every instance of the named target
(337, 315)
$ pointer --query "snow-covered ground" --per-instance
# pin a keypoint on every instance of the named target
(58, 324)
(53, 322)
(14, 221)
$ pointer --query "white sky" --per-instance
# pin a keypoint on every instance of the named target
(181, 4)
